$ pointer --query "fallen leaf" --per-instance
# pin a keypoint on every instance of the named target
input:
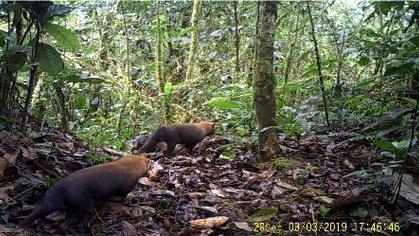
(312, 192)
(3, 165)
(3, 193)
(219, 193)
(209, 222)
(11, 158)
(154, 171)
(210, 209)
(243, 226)
(324, 199)
(146, 181)
(285, 185)
(128, 229)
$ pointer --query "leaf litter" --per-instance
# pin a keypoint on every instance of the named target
(202, 193)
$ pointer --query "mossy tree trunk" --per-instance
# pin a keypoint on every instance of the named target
(159, 65)
(264, 84)
(194, 41)
(237, 41)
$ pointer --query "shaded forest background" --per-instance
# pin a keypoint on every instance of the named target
(108, 71)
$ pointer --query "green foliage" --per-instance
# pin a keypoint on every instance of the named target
(228, 155)
(49, 59)
(97, 159)
(323, 211)
(64, 37)
(283, 164)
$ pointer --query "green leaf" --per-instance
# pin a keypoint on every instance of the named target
(229, 155)
(363, 61)
(359, 212)
(15, 57)
(49, 59)
(168, 87)
(415, 40)
(264, 214)
(2, 38)
(384, 145)
(80, 102)
(403, 68)
(78, 79)
(223, 103)
(65, 37)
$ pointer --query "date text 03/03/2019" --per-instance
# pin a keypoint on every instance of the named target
(327, 227)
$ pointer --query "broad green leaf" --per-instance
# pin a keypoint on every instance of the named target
(229, 155)
(223, 103)
(384, 145)
(264, 214)
(363, 61)
(49, 59)
(415, 40)
(65, 37)
(168, 87)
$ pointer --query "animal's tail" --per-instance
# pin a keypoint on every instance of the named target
(157, 136)
(50, 203)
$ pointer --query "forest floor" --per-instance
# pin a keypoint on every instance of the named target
(314, 185)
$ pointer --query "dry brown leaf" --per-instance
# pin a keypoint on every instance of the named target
(146, 181)
(155, 169)
(29, 153)
(210, 209)
(312, 192)
(66, 146)
(128, 229)
(3, 165)
(285, 185)
(219, 193)
(196, 195)
(3, 195)
(324, 199)
(209, 222)
(11, 158)
(243, 225)
(267, 174)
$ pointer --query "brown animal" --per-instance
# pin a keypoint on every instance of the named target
(140, 140)
(79, 191)
(187, 134)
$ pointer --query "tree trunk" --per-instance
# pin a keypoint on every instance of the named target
(194, 41)
(159, 76)
(264, 84)
(319, 65)
(292, 46)
(236, 21)
(253, 68)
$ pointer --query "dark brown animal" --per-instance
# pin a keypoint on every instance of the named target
(79, 191)
(140, 140)
(187, 134)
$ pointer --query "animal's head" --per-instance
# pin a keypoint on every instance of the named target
(209, 126)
